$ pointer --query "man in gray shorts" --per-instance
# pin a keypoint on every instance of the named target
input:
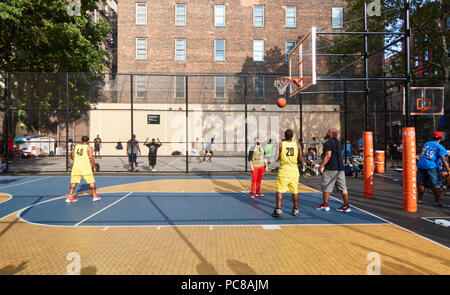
(334, 172)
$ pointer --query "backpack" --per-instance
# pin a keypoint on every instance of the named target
(348, 170)
(119, 146)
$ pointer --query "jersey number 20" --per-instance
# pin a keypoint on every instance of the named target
(290, 152)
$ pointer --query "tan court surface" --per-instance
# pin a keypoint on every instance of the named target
(307, 249)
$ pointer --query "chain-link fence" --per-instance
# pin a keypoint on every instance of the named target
(182, 118)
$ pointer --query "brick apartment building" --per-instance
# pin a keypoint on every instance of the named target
(204, 36)
(161, 42)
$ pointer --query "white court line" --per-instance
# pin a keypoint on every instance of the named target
(16, 184)
(439, 217)
(271, 227)
(9, 197)
(395, 224)
(103, 209)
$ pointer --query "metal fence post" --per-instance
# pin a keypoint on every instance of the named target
(67, 122)
(132, 116)
(246, 124)
(7, 122)
(187, 123)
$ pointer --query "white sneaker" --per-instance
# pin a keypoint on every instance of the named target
(137, 170)
(154, 169)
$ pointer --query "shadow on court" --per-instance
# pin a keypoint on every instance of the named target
(12, 270)
(90, 270)
(204, 268)
(10, 180)
(240, 268)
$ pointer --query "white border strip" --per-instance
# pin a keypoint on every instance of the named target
(16, 184)
(103, 209)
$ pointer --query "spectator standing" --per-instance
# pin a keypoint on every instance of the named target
(152, 152)
(333, 173)
(133, 150)
(97, 146)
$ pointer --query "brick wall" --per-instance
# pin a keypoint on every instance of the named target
(200, 34)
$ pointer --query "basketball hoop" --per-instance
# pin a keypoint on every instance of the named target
(283, 82)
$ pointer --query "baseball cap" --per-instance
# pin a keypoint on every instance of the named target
(437, 134)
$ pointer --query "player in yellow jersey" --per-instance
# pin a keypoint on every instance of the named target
(83, 165)
(290, 153)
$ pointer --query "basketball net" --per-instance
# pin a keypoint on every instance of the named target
(281, 84)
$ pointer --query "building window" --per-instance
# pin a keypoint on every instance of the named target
(180, 49)
(426, 74)
(219, 15)
(141, 86)
(180, 14)
(180, 87)
(219, 50)
(141, 48)
(141, 13)
(289, 45)
(416, 61)
(258, 16)
(258, 50)
(291, 17)
(219, 87)
(337, 18)
(258, 87)
(426, 55)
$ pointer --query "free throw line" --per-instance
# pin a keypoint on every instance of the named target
(103, 209)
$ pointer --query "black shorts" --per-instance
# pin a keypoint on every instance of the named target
(96, 148)
(152, 160)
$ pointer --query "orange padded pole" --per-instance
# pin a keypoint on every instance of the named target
(409, 170)
(368, 164)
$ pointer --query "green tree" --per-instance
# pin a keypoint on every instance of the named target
(41, 36)
(428, 23)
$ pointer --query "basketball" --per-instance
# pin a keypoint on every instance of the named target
(281, 102)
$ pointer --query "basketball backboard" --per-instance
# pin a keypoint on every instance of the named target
(425, 100)
(302, 63)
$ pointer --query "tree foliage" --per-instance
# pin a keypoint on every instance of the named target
(428, 19)
(40, 36)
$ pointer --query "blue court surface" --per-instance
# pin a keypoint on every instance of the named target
(38, 196)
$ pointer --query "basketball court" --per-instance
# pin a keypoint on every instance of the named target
(200, 220)
(196, 225)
